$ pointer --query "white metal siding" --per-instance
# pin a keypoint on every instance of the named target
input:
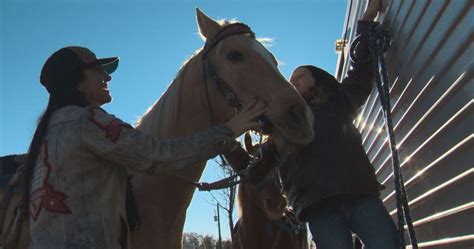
(430, 67)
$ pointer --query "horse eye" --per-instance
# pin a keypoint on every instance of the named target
(235, 56)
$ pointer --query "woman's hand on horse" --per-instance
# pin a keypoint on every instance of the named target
(374, 8)
(247, 118)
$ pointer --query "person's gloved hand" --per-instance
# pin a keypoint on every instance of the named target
(374, 8)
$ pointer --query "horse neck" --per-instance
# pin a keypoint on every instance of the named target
(164, 119)
(253, 220)
(184, 108)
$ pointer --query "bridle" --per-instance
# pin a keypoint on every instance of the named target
(288, 223)
(210, 75)
(231, 99)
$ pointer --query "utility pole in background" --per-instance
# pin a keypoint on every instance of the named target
(218, 219)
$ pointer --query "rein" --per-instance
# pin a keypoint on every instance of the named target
(244, 175)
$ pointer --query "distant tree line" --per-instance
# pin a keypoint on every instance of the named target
(198, 241)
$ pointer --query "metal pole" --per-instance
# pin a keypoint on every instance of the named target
(219, 226)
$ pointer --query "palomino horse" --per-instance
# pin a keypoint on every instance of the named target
(264, 222)
(194, 101)
(238, 68)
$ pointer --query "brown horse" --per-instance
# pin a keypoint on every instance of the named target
(192, 103)
(8, 167)
(264, 222)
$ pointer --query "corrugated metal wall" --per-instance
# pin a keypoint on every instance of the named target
(430, 68)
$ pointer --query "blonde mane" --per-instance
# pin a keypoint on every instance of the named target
(165, 106)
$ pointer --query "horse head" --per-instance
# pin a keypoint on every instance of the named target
(264, 189)
(243, 67)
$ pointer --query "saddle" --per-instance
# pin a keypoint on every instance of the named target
(11, 174)
(133, 217)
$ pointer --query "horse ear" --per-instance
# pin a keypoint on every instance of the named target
(248, 143)
(207, 26)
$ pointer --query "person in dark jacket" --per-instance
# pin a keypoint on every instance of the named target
(331, 183)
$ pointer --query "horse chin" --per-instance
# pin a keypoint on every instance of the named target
(283, 138)
(283, 147)
(298, 140)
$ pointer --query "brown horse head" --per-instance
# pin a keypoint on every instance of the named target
(264, 192)
(251, 71)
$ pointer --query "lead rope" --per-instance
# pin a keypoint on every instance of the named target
(231, 180)
(379, 42)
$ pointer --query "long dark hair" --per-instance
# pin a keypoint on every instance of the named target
(62, 92)
(325, 83)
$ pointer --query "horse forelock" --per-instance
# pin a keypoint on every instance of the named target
(222, 23)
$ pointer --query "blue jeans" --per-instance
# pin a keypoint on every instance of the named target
(332, 224)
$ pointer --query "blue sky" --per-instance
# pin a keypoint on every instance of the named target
(152, 38)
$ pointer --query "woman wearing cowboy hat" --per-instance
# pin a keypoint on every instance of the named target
(76, 172)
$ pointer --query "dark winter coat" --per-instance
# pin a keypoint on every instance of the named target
(335, 162)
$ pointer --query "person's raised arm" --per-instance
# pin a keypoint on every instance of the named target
(357, 85)
(113, 140)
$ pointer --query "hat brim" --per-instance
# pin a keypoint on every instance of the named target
(109, 65)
